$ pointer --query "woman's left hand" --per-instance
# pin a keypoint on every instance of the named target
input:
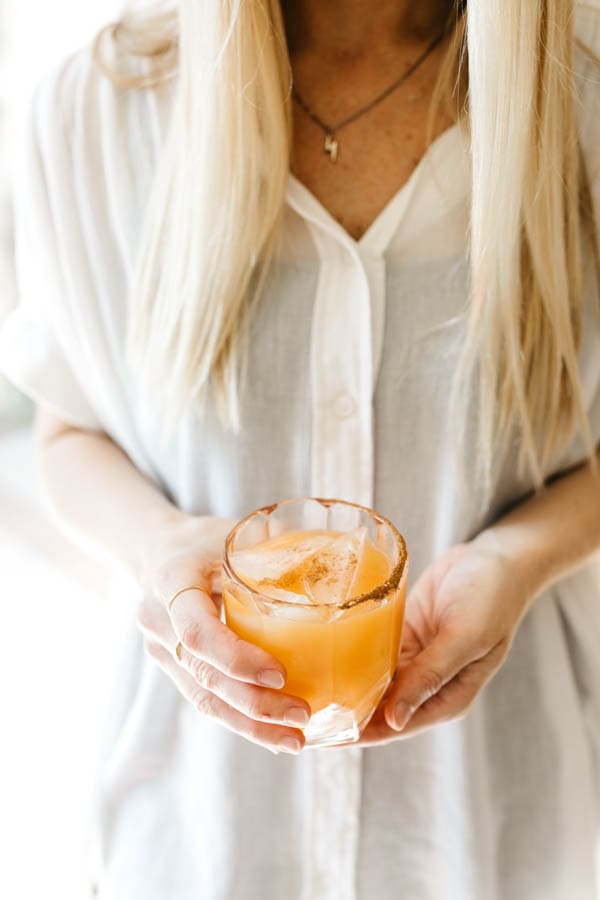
(461, 617)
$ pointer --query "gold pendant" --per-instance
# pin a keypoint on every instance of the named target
(331, 147)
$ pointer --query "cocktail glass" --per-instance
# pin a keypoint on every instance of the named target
(321, 584)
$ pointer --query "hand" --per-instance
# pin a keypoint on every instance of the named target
(222, 676)
(461, 617)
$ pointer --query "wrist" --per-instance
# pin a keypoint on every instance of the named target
(160, 538)
(516, 545)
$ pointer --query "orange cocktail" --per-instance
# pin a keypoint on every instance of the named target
(321, 585)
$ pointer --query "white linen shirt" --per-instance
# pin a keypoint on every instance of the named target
(353, 348)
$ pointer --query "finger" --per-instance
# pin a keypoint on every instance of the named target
(454, 700)
(255, 702)
(423, 677)
(195, 620)
(217, 579)
(274, 737)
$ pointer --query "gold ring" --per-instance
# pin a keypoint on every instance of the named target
(178, 649)
(191, 587)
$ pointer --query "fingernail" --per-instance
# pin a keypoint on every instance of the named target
(296, 715)
(271, 678)
(402, 713)
(290, 745)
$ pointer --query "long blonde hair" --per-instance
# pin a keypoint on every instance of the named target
(212, 222)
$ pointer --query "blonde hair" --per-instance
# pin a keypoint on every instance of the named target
(213, 220)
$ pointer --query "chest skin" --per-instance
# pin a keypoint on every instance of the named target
(378, 151)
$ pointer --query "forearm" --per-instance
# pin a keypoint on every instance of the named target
(101, 501)
(553, 533)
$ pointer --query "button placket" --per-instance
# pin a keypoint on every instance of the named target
(341, 381)
(341, 372)
(346, 339)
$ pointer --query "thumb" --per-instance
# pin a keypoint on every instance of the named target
(425, 675)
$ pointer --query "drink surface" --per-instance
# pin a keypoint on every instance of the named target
(319, 566)
(339, 659)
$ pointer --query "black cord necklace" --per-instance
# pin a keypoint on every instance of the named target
(331, 145)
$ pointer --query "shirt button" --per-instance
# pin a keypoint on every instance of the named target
(344, 406)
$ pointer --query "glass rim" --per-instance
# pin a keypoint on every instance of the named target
(382, 590)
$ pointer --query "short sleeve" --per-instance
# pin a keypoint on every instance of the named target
(38, 342)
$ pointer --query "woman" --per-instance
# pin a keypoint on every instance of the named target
(234, 292)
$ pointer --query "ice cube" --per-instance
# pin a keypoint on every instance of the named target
(294, 606)
(361, 538)
(277, 557)
(332, 572)
(276, 593)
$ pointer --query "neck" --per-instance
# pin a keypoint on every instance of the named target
(350, 28)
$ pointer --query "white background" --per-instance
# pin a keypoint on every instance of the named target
(35, 35)
(60, 631)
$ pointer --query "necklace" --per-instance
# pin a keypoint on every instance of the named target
(331, 145)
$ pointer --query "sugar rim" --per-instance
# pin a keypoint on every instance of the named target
(378, 593)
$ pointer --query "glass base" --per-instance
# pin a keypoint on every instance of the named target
(334, 725)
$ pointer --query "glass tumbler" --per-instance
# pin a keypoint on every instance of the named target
(321, 585)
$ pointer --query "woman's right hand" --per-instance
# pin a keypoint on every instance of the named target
(221, 675)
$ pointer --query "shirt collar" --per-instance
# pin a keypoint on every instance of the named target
(440, 181)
